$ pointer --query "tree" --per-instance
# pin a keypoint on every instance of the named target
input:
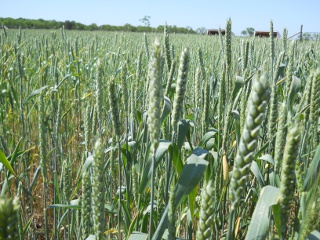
(201, 30)
(146, 21)
(248, 32)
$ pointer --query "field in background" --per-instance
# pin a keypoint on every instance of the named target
(221, 133)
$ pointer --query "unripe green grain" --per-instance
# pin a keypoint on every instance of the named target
(146, 47)
(9, 218)
(180, 88)
(243, 107)
(284, 40)
(314, 107)
(228, 43)
(312, 216)
(273, 106)
(155, 96)
(87, 127)
(248, 140)
(244, 55)
(98, 190)
(170, 78)
(206, 212)
(222, 97)
(167, 47)
(281, 135)
(66, 178)
(197, 88)
(136, 84)
(271, 47)
(99, 96)
(124, 84)
(289, 71)
(287, 184)
(86, 212)
(43, 157)
(113, 102)
(206, 105)
(171, 216)
(201, 63)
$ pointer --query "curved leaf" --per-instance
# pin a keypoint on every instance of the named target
(206, 138)
(146, 175)
(35, 93)
(256, 171)
(191, 175)
(183, 128)
(138, 236)
(259, 225)
(6, 163)
(313, 171)
(267, 158)
(314, 235)
(166, 109)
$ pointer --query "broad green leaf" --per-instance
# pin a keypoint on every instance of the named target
(314, 235)
(166, 109)
(74, 204)
(176, 159)
(91, 237)
(267, 158)
(26, 227)
(259, 225)
(65, 78)
(276, 209)
(146, 175)
(35, 93)
(133, 223)
(183, 128)
(138, 236)
(236, 116)
(192, 203)
(256, 171)
(6, 163)
(88, 162)
(191, 175)
(239, 82)
(69, 206)
(313, 171)
(295, 86)
(206, 138)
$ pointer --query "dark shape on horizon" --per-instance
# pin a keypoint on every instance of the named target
(266, 34)
(216, 32)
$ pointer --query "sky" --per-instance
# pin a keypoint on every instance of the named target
(290, 14)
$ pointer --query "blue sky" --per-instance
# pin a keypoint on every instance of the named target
(200, 13)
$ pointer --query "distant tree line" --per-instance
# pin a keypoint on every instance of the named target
(24, 23)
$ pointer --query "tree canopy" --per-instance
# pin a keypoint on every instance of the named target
(248, 32)
(24, 23)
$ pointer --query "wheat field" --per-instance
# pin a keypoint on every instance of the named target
(114, 135)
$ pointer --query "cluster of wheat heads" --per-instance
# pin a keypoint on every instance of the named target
(131, 136)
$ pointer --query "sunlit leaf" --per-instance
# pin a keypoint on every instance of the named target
(259, 225)
(191, 174)
(6, 163)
